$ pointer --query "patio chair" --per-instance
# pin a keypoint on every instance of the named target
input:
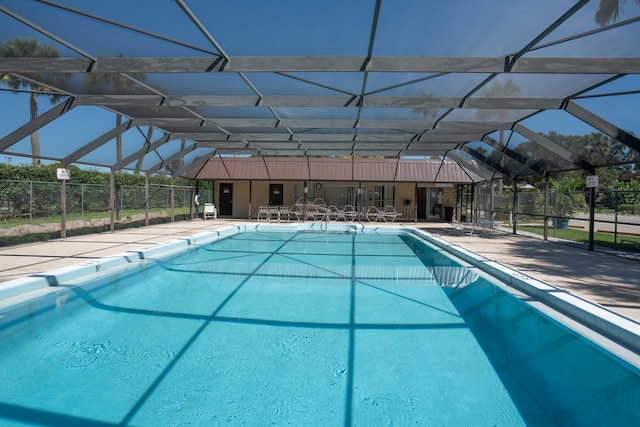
(334, 214)
(390, 214)
(263, 213)
(210, 211)
(274, 213)
(297, 212)
(374, 214)
(349, 213)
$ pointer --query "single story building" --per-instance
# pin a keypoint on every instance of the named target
(422, 190)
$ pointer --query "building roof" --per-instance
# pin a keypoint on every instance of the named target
(334, 169)
(163, 86)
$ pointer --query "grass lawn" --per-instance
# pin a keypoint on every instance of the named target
(577, 235)
(86, 216)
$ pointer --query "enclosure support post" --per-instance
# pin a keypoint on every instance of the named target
(63, 213)
(415, 205)
(192, 194)
(546, 208)
(250, 197)
(30, 201)
(515, 205)
(305, 190)
(173, 198)
(146, 199)
(592, 215)
(112, 201)
(474, 218)
(492, 195)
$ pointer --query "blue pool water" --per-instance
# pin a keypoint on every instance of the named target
(276, 328)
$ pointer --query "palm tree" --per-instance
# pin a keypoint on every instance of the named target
(108, 83)
(29, 48)
(609, 11)
(498, 89)
(117, 83)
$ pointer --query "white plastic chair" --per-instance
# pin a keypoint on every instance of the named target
(210, 211)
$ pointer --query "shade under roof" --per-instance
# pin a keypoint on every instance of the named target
(162, 86)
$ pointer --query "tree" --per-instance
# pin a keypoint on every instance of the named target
(120, 83)
(110, 83)
(498, 89)
(30, 48)
(609, 11)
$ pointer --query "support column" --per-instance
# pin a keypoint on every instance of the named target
(515, 205)
(415, 204)
(546, 208)
(305, 190)
(146, 199)
(173, 198)
(592, 215)
(63, 212)
(112, 201)
(250, 197)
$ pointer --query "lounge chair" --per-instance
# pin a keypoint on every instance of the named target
(390, 214)
(334, 214)
(349, 213)
(470, 227)
(374, 214)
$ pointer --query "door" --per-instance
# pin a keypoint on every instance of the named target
(421, 203)
(275, 195)
(435, 203)
(430, 204)
(226, 199)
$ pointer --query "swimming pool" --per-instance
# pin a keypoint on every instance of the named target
(286, 325)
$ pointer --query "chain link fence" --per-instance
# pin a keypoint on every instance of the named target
(30, 200)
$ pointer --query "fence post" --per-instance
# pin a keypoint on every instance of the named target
(515, 206)
(615, 218)
(592, 215)
(546, 208)
(112, 201)
(30, 201)
(146, 199)
(173, 197)
(63, 213)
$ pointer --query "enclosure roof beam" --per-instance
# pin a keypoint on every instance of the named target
(466, 164)
(196, 163)
(98, 142)
(147, 148)
(239, 64)
(487, 161)
(555, 148)
(603, 126)
(523, 160)
(170, 159)
(35, 124)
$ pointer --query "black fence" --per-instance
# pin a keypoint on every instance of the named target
(616, 215)
(29, 200)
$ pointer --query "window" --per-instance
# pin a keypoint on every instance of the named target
(384, 195)
(341, 195)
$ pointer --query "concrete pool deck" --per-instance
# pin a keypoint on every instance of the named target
(608, 280)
